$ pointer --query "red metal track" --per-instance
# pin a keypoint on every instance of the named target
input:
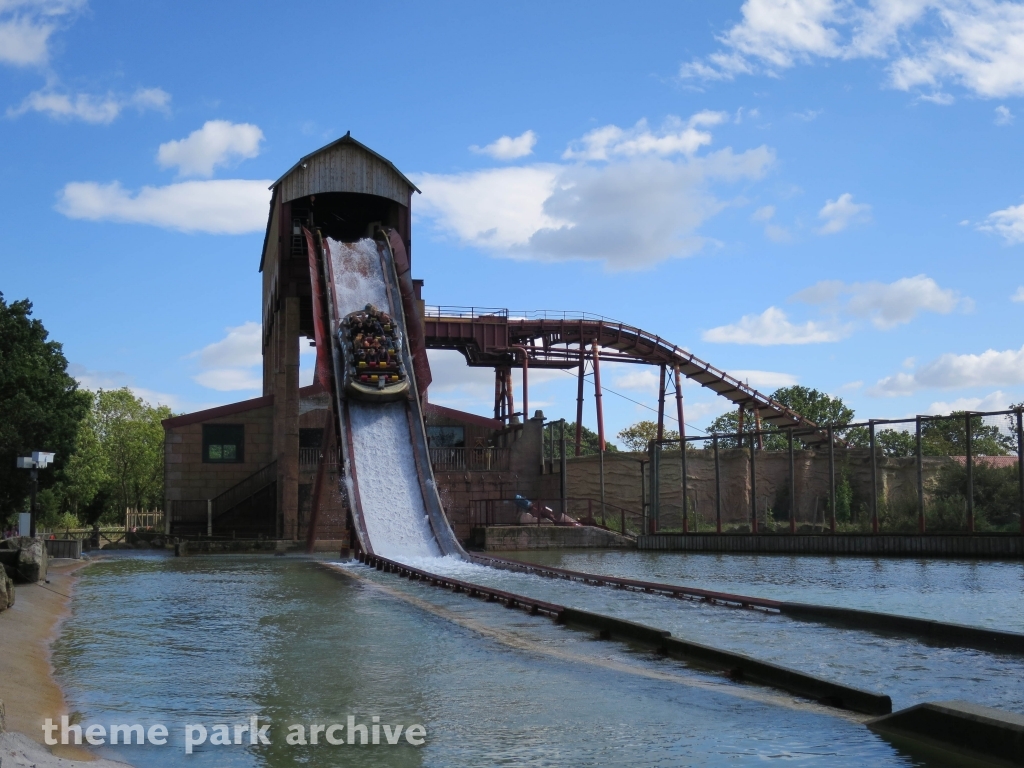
(490, 337)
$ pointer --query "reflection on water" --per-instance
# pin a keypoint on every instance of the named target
(209, 640)
(976, 592)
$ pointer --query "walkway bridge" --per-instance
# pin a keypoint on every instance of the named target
(503, 339)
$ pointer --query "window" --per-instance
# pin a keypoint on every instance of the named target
(446, 437)
(311, 438)
(223, 443)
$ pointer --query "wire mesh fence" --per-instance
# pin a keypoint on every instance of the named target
(962, 473)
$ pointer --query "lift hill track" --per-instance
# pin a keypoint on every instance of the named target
(492, 338)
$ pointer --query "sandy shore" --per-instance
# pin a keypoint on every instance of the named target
(27, 686)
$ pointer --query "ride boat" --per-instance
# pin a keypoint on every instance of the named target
(372, 347)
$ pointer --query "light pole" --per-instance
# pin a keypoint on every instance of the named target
(38, 460)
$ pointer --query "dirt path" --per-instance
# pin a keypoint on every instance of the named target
(27, 686)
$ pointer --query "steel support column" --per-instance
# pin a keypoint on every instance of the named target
(682, 447)
(874, 478)
(600, 414)
(832, 477)
(969, 424)
(579, 400)
(661, 404)
(753, 485)
(1020, 466)
(562, 480)
(718, 486)
(792, 483)
(918, 455)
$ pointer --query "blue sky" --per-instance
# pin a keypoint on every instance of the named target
(805, 191)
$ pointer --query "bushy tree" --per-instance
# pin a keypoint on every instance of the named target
(40, 404)
(637, 436)
(948, 437)
(589, 442)
(824, 410)
(895, 442)
(131, 437)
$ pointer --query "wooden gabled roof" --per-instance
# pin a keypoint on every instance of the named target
(345, 165)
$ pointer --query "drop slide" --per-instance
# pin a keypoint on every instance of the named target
(388, 480)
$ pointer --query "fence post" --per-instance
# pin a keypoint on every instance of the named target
(645, 514)
(920, 477)
(753, 485)
(656, 488)
(832, 477)
(686, 502)
(563, 485)
(1020, 465)
(874, 478)
(209, 517)
(970, 472)
(792, 483)
(718, 487)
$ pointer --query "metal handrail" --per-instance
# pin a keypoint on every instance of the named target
(239, 492)
(483, 459)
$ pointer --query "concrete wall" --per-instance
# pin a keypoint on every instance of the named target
(1003, 546)
(187, 477)
(520, 537)
(897, 479)
(460, 489)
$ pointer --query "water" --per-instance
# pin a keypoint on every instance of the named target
(217, 639)
(382, 454)
(978, 593)
(389, 488)
(910, 671)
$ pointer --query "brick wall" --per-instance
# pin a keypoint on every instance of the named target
(185, 474)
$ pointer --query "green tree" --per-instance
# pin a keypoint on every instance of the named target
(948, 437)
(132, 438)
(637, 436)
(823, 410)
(589, 443)
(896, 442)
(85, 472)
(40, 404)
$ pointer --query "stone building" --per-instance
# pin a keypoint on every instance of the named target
(251, 469)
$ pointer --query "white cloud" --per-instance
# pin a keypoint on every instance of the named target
(229, 206)
(95, 380)
(995, 401)
(765, 380)
(976, 44)
(773, 232)
(840, 213)
(498, 208)
(886, 304)
(241, 347)
(639, 380)
(26, 27)
(633, 212)
(1003, 115)
(457, 385)
(508, 148)
(218, 142)
(939, 98)
(229, 379)
(675, 137)
(1008, 223)
(771, 328)
(101, 110)
(1018, 295)
(233, 363)
(951, 371)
